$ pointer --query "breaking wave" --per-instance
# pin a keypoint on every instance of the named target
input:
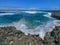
(2, 14)
(25, 27)
(33, 12)
(41, 30)
(48, 15)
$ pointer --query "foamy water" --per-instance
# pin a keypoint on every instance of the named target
(34, 12)
(24, 25)
(2, 14)
(41, 30)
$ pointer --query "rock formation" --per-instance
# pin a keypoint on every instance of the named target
(56, 15)
(11, 36)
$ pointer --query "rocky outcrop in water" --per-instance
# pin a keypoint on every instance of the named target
(56, 15)
(11, 36)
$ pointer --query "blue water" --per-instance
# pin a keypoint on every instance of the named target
(33, 19)
(27, 22)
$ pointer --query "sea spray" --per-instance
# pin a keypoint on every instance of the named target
(46, 23)
(48, 15)
(39, 30)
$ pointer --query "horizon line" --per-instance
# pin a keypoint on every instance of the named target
(18, 8)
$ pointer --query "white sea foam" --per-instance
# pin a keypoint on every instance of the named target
(33, 12)
(48, 15)
(41, 30)
(1, 14)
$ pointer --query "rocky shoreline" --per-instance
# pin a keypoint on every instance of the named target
(11, 36)
(56, 15)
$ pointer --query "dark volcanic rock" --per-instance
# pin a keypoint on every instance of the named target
(11, 36)
(56, 15)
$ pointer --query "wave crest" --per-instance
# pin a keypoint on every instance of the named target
(41, 30)
(23, 25)
(48, 15)
(33, 12)
(2, 14)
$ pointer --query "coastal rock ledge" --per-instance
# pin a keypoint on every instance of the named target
(11, 36)
(56, 15)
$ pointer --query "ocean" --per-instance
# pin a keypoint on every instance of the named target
(30, 22)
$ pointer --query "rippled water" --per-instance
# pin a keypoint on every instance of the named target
(33, 22)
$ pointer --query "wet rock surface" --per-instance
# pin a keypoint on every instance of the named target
(11, 36)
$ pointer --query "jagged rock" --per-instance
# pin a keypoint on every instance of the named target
(48, 39)
(53, 38)
(56, 34)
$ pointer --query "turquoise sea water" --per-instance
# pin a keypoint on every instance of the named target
(33, 19)
(33, 22)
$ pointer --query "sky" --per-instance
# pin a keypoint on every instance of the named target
(31, 4)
